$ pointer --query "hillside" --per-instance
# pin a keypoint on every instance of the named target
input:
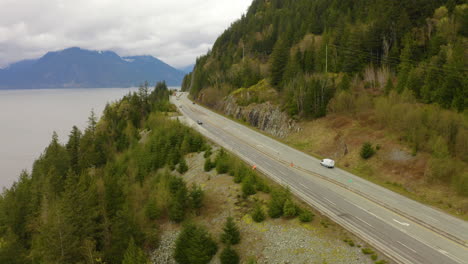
(80, 68)
(392, 73)
(138, 186)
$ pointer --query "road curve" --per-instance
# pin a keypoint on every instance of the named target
(405, 230)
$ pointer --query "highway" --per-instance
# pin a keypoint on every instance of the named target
(403, 229)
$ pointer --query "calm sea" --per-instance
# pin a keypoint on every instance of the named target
(29, 117)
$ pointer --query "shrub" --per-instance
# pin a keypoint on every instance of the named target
(374, 257)
(194, 245)
(248, 187)
(207, 152)
(258, 215)
(196, 197)
(231, 235)
(151, 210)
(176, 211)
(222, 162)
(183, 168)
(289, 209)
(229, 256)
(367, 150)
(306, 216)
(367, 251)
(134, 254)
(239, 174)
(208, 165)
(260, 185)
(278, 198)
(349, 241)
(382, 261)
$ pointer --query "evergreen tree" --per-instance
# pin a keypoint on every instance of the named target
(276, 205)
(306, 216)
(231, 234)
(279, 59)
(208, 165)
(177, 207)
(405, 66)
(289, 209)
(229, 256)
(183, 168)
(194, 245)
(367, 150)
(134, 254)
(258, 215)
(151, 210)
(248, 187)
(196, 198)
(73, 148)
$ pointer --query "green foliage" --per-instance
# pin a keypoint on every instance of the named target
(279, 59)
(296, 39)
(367, 251)
(178, 205)
(194, 245)
(460, 183)
(87, 199)
(277, 201)
(231, 234)
(258, 215)
(248, 187)
(183, 168)
(222, 162)
(289, 209)
(367, 150)
(208, 166)
(350, 242)
(345, 83)
(196, 197)
(306, 216)
(73, 148)
(229, 256)
(208, 152)
(151, 210)
(12, 251)
(134, 254)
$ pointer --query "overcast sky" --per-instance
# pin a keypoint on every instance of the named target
(175, 31)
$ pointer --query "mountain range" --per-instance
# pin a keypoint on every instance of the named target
(81, 68)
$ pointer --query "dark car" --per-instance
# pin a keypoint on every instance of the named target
(199, 122)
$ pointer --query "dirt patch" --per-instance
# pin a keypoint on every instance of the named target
(399, 155)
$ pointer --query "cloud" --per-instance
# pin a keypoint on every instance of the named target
(174, 31)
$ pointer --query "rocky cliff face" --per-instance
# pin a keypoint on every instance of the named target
(265, 116)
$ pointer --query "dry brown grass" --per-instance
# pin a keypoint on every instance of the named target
(329, 136)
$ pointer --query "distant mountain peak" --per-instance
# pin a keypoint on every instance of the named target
(87, 68)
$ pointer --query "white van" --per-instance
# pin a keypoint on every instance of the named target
(329, 163)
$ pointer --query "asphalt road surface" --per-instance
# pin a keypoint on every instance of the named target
(403, 229)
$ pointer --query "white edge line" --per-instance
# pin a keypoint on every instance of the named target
(406, 246)
(329, 201)
(363, 221)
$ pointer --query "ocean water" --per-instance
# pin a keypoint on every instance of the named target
(29, 117)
